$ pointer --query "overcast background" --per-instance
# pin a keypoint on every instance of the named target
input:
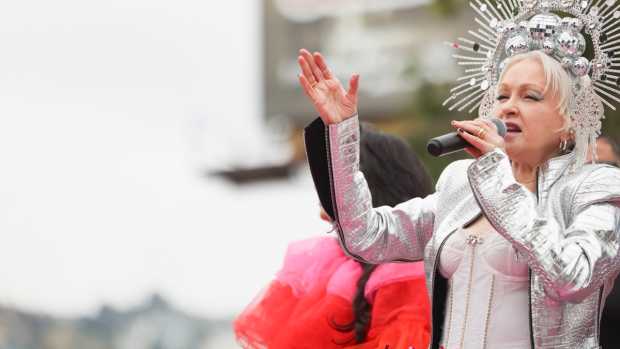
(111, 111)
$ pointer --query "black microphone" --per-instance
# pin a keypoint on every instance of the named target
(453, 142)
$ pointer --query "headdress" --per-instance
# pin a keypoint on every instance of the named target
(559, 28)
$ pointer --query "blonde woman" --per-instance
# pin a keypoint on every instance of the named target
(520, 244)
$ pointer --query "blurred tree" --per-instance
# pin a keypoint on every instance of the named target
(448, 7)
(432, 119)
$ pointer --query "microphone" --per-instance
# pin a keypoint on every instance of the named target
(453, 142)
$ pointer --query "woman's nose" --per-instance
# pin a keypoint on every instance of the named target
(507, 109)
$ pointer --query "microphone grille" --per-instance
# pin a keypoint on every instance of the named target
(501, 126)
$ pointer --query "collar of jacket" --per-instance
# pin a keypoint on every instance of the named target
(552, 170)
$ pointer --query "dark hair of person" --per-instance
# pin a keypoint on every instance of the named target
(394, 174)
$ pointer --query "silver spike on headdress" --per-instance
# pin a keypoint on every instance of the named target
(509, 27)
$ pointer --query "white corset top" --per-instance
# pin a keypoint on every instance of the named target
(488, 293)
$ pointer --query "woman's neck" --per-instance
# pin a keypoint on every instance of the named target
(525, 174)
(526, 170)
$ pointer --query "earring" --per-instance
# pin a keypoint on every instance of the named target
(567, 143)
(563, 145)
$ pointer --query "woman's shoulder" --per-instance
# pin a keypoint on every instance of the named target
(457, 166)
(592, 184)
(454, 175)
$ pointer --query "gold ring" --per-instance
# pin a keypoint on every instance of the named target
(481, 132)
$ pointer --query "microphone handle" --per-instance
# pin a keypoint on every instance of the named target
(446, 144)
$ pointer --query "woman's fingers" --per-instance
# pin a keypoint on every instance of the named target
(489, 123)
(483, 129)
(480, 145)
(475, 127)
(353, 86)
(305, 84)
(306, 71)
(320, 62)
(313, 67)
(473, 124)
(479, 134)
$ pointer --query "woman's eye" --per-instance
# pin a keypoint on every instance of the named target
(501, 97)
(533, 97)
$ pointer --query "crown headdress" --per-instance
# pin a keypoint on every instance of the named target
(509, 27)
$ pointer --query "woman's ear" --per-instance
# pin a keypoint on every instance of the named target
(567, 141)
(571, 137)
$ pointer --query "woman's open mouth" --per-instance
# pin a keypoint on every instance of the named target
(512, 128)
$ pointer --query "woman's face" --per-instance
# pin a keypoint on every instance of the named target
(532, 117)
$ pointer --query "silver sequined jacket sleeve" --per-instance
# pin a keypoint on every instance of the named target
(376, 235)
(573, 256)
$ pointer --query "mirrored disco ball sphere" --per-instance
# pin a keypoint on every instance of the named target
(570, 43)
(543, 26)
(517, 44)
(580, 66)
(571, 23)
(548, 46)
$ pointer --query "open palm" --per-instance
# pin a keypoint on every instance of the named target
(330, 99)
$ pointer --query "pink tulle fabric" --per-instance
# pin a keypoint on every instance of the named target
(307, 262)
(319, 261)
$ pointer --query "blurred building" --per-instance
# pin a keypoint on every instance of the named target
(397, 47)
(392, 44)
(152, 325)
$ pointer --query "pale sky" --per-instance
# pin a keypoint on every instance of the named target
(109, 111)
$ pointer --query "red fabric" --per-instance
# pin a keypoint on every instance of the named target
(279, 320)
(400, 317)
(311, 292)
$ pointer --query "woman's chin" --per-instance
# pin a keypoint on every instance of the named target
(512, 137)
(513, 146)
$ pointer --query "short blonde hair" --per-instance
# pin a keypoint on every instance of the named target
(557, 80)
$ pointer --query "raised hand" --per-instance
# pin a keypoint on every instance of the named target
(330, 99)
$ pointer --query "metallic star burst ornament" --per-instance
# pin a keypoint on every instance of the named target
(509, 27)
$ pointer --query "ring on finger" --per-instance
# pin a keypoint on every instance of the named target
(481, 132)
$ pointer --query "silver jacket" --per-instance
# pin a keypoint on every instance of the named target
(568, 231)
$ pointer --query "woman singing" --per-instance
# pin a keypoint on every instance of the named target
(521, 244)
